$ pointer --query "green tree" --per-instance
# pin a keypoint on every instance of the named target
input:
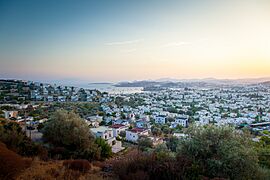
(166, 129)
(172, 110)
(179, 128)
(122, 134)
(7, 108)
(163, 152)
(156, 131)
(15, 139)
(263, 148)
(40, 126)
(221, 152)
(1, 114)
(170, 119)
(123, 116)
(67, 131)
(172, 143)
(145, 143)
(102, 123)
(106, 149)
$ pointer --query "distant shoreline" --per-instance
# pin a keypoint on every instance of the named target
(100, 83)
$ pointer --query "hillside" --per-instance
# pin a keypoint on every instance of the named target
(56, 170)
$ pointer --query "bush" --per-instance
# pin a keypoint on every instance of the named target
(40, 126)
(208, 153)
(106, 149)
(141, 165)
(145, 143)
(78, 165)
(221, 152)
(263, 149)
(172, 143)
(70, 133)
(122, 134)
(15, 139)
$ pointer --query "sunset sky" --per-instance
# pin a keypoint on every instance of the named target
(117, 40)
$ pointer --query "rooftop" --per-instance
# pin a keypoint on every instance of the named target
(136, 130)
(100, 129)
(117, 126)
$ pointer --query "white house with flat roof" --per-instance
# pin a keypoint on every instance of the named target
(161, 119)
(134, 134)
(106, 133)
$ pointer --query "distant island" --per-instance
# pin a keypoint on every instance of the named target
(157, 85)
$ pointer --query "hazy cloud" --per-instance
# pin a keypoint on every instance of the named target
(125, 42)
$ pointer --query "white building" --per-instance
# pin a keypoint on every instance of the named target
(142, 124)
(182, 121)
(107, 134)
(120, 121)
(50, 99)
(134, 134)
(74, 98)
(161, 119)
(11, 114)
(104, 133)
(61, 98)
(117, 128)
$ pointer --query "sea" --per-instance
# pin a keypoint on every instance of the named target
(111, 89)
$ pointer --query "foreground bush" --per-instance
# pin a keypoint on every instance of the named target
(11, 164)
(221, 152)
(78, 165)
(15, 139)
(208, 153)
(263, 149)
(151, 166)
(68, 134)
(105, 148)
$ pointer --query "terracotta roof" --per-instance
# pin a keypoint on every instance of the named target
(117, 126)
(136, 130)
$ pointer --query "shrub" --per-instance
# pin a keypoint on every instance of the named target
(15, 139)
(69, 132)
(40, 126)
(263, 149)
(106, 149)
(149, 166)
(122, 134)
(208, 153)
(221, 152)
(78, 165)
(172, 143)
(145, 143)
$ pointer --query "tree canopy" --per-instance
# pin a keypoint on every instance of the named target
(208, 152)
(221, 152)
(67, 130)
(15, 139)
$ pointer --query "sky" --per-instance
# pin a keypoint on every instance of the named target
(120, 40)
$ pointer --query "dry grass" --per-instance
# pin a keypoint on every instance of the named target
(11, 164)
(14, 166)
(81, 165)
(55, 170)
